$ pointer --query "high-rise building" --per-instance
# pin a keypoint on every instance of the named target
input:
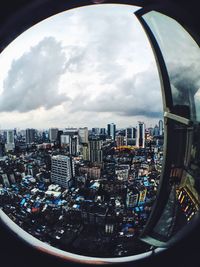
(10, 137)
(160, 125)
(111, 130)
(130, 136)
(83, 135)
(140, 140)
(62, 170)
(103, 131)
(74, 145)
(53, 132)
(95, 151)
(156, 130)
(58, 141)
(10, 140)
(85, 152)
(30, 136)
(96, 131)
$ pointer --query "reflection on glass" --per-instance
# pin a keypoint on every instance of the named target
(182, 57)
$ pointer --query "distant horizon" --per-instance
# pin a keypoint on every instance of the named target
(89, 128)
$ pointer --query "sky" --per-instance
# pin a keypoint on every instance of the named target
(89, 66)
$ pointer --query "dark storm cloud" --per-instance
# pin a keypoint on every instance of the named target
(139, 95)
(33, 79)
(185, 80)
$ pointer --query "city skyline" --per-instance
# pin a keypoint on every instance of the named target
(80, 75)
(151, 125)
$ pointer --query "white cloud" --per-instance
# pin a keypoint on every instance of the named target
(100, 58)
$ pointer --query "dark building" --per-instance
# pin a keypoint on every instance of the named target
(95, 151)
(30, 136)
(58, 140)
(111, 129)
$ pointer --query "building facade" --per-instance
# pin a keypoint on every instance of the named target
(62, 170)
(111, 130)
(140, 140)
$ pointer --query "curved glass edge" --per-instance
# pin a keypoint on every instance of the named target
(45, 248)
(181, 56)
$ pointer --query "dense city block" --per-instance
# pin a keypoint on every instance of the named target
(86, 191)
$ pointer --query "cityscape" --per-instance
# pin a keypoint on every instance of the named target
(85, 191)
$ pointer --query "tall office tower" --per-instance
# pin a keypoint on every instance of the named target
(130, 136)
(83, 135)
(95, 151)
(10, 137)
(111, 130)
(58, 141)
(140, 140)
(30, 136)
(119, 140)
(62, 170)
(160, 125)
(96, 131)
(53, 132)
(156, 130)
(10, 140)
(74, 145)
(103, 131)
(85, 152)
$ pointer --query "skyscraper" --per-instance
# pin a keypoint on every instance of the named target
(10, 140)
(58, 141)
(111, 130)
(156, 130)
(53, 132)
(83, 135)
(10, 137)
(62, 170)
(130, 136)
(95, 151)
(30, 136)
(140, 140)
(74, 145)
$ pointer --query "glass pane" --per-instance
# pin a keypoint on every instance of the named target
(182, 57)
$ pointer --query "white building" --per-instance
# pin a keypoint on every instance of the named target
(62, 170)
(83, 135)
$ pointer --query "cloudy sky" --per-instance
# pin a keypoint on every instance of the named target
(85, 67)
